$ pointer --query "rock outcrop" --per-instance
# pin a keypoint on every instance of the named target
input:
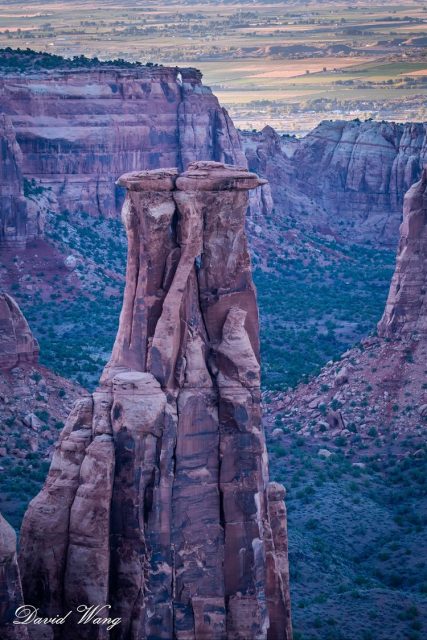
(34, 401)
(10, 585)
(13, 207)
(17, 343)
(345, 179)
(406, 308)
(77, 130)
(376, 393)
(157, 502)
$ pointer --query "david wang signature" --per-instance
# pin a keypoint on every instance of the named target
(27, 614)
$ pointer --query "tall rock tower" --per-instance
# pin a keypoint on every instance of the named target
(406, 308)
(158, 501)
(13, 206)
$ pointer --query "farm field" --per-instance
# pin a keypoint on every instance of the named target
(305, 61)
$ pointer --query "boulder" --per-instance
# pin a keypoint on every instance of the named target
(70, 262)
(277, 433)
(335, 421)
(31, 420)
(324, 453)
(341, 377)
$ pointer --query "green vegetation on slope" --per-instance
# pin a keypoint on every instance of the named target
(354, 532)
(76, 332)
(357, 540)
(312, 308)
(311, 312)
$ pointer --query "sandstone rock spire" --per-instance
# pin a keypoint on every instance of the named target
(158, 501)
(13, 207)
(17, 343)
(406, 308)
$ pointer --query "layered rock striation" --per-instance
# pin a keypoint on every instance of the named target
(78, 130)
(74, 131)
(158, 501)
(17, 343)
(345, 179)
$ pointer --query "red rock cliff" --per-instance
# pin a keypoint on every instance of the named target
(350, 177)
(79, 130)
(158, 500)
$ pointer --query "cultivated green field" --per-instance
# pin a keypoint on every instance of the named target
(314, 59)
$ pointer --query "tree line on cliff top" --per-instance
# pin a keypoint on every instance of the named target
(12, 60)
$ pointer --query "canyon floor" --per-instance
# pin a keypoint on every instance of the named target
(357, 533)
(357, 539)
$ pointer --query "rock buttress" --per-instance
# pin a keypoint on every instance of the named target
(406, 308)
(158, 501)
(17, 343)
(13, 207)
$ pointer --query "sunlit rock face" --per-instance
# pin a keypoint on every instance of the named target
(158, 500)
(76, 132)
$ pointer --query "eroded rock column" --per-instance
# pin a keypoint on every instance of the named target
(17, 343)
(406, 308)
(158, 492)
(13, 206)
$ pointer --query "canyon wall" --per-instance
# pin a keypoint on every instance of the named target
(158, 501)
(377, 389)
(344, 179)
(75, 132)
(34, 401)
